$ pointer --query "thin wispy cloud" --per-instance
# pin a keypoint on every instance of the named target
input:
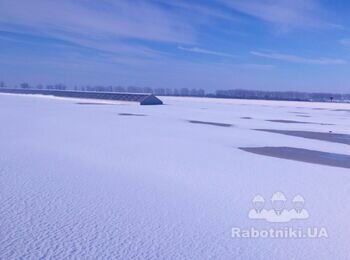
(106, 23)
(298, 59)
(205, 51)
(285, 13)
(206, 12)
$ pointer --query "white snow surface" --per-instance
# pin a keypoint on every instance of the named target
(83, 182)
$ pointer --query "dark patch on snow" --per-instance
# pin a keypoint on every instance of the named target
(286, 121)
(342, 110)
(322, 136)
(303, 116)
(209, 123)
(246, 117)
(130, 114)
(302, 155)
(298, 113)
(295, 122)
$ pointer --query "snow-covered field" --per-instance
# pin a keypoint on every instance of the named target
(123, 181)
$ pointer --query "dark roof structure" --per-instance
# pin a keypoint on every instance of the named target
(142, 98)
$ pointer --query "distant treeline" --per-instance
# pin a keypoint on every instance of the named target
(129, 89)
(194, 92)
(282, 95)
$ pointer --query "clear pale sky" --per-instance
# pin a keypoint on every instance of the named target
(253, 44)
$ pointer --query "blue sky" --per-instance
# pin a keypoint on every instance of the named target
(299, 45)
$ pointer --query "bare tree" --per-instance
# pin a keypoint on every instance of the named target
(25, 85)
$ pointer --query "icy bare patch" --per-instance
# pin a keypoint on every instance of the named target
(287, 121)
(298, 113)
(209, 123)
(329, 137)
(342, 110)
(246, 117)
(294, 122)
(302, 155)
(303, 116)
(131, 114)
